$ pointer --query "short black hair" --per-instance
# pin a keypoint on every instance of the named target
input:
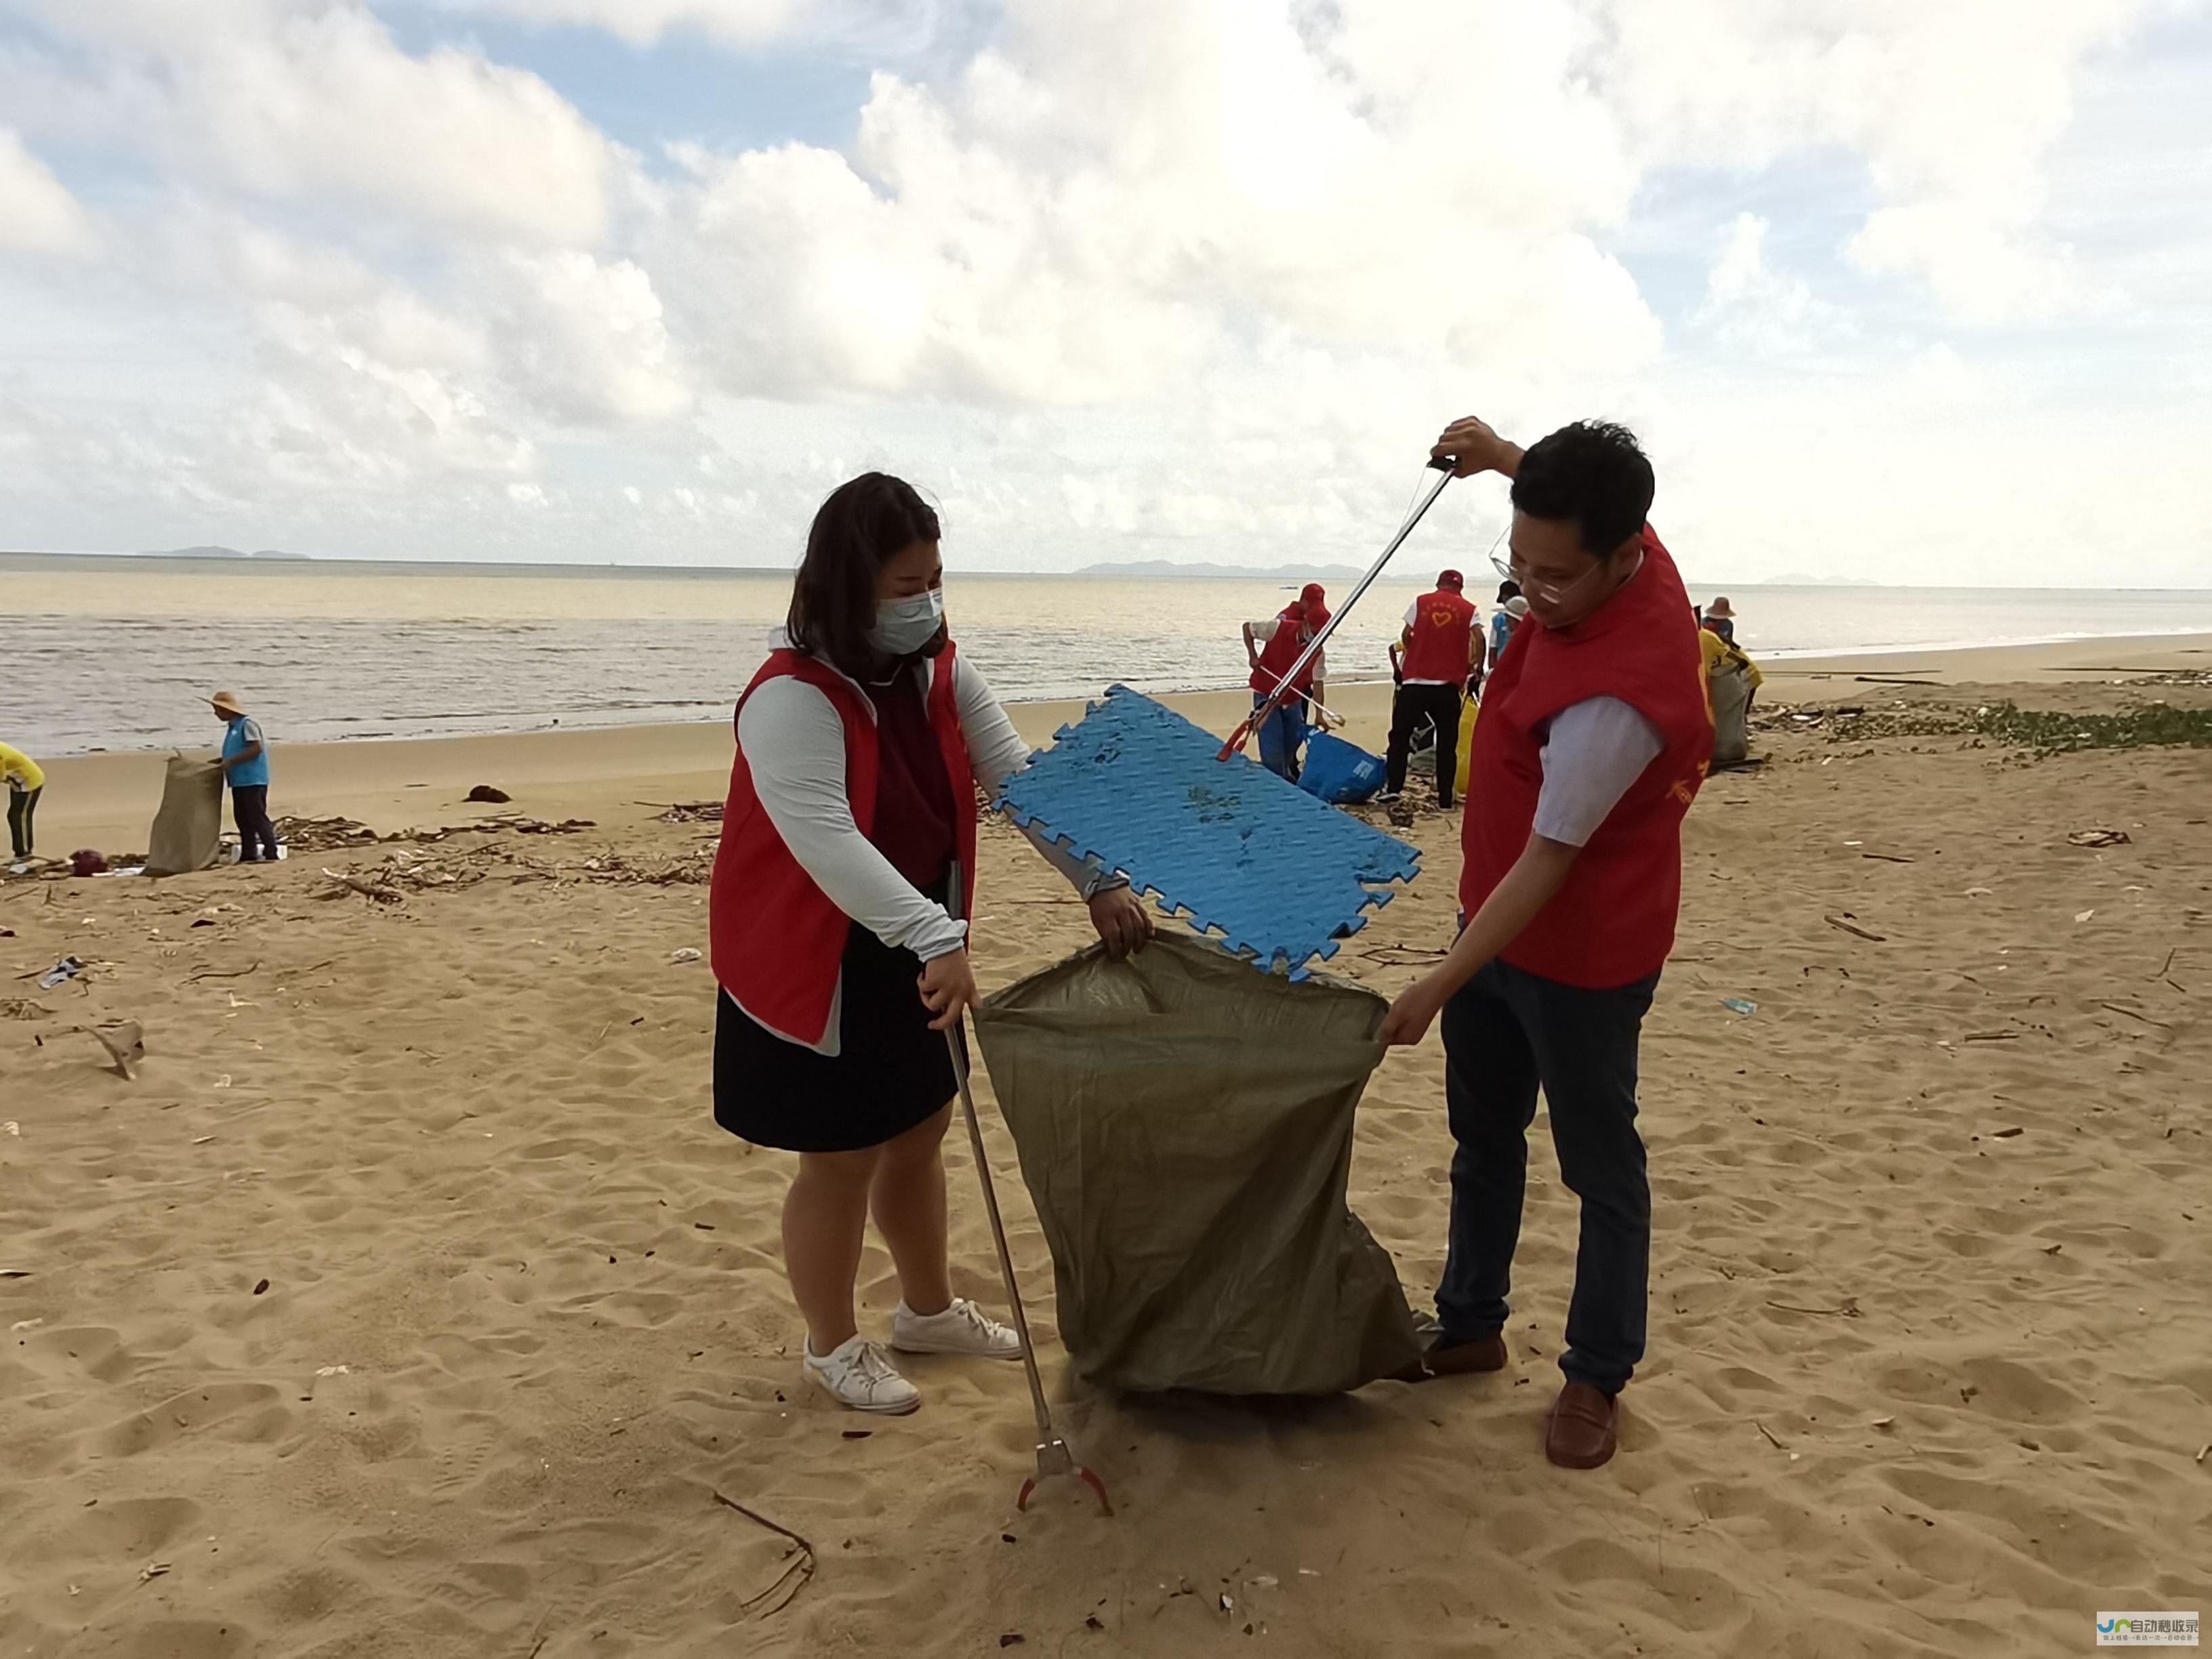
(1593, 472)
(1508, 589)
(866, 522)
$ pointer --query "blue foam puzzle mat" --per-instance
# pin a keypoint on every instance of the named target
(1278, 874)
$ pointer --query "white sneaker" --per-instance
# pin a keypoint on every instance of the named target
(857, 1374)
(963, 1327)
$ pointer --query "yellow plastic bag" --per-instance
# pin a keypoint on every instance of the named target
(1467, 710)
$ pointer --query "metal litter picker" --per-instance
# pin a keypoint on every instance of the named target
(1282, 693)
(1054, 1457)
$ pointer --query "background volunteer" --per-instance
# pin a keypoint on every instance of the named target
(26, 783)
(1272, 645)
(839, 908)
(1440, 663)
(245, 769)
(1593, 738)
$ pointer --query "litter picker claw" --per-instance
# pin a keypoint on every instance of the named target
(1054, 1457)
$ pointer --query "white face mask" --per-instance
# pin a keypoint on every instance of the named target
(904, 626)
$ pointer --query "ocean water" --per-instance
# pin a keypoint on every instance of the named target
(114, 653)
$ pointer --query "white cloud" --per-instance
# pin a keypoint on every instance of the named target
(1954, 106)
(37, 213)
(310, 100)
(585, 341)
(1136, 277)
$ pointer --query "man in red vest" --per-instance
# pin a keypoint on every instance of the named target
(1595, 736)
(1439, 663)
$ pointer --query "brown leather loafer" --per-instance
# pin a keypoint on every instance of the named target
(1484, 1353)
(1582, 1428)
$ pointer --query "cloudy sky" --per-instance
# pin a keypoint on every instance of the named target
(1913, 290)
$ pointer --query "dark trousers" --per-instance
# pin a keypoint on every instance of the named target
(22, 807)
(1507, 1032)
(1280, 734)
(249, 810)
(1413, 705)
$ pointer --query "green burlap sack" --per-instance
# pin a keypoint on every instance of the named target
(187, 832)
(1184, 1124)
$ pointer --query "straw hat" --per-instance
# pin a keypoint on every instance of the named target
(1720, 608)
(226, 703)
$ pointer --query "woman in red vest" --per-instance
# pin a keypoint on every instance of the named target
(839, 913)
(1595, 736)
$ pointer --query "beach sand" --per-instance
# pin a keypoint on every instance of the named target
(409, 1304)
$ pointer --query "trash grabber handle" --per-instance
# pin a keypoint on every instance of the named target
(1442, 465)
(999, 1232)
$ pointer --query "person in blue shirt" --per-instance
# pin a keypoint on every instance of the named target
(1501, 624)
(245, 769)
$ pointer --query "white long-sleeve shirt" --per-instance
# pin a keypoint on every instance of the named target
(793, 740)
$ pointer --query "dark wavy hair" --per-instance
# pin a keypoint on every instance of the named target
(1593, 472)
(864, 523)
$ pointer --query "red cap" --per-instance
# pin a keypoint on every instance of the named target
(1450, 578)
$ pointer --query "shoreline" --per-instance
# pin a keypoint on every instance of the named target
(106, 800)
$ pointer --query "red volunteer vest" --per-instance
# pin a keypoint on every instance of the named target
(1444, 632)
(778, 939)
(1281, 652)
(1613, 921)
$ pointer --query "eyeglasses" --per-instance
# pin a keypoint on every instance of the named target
(1548, 592)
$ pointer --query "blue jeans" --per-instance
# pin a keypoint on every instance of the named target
(1280, 734)
(1506, 1032)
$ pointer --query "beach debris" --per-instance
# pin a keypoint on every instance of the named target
(15, 1273)
(151, 1571)
(1885, 1422)
(333, 1370)
(61, 973)
(1979, 892)
(1847, 1308)
(1013, 1638)
(87, 861)
(1738, 1005)
(1769, 1433)
(260, 1286)
(221, 973)
(798, 1565)
(2007, 1135)
(687, 954)
(26, 1325)
(2097, 837)
(690, 811)
(124, 1041)
(23, 1008)
(491, 792)
(1853, 928)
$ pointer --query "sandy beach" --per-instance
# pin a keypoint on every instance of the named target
(408, 1304)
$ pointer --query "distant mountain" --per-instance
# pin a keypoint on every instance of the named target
(1309, 573)
(220, 553)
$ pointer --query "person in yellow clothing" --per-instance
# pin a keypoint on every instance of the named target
(1732, 679)
(1721, 658)
(25, 782)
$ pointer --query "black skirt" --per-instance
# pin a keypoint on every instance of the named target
(890, 1073)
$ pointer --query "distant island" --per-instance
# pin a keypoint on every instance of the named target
(218, 553)
(1307, 572)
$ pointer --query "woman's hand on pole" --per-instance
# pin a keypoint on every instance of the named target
(948, 989)
(1123, 922)
(1474, 447)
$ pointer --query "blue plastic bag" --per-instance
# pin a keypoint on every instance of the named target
(1338, 772)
